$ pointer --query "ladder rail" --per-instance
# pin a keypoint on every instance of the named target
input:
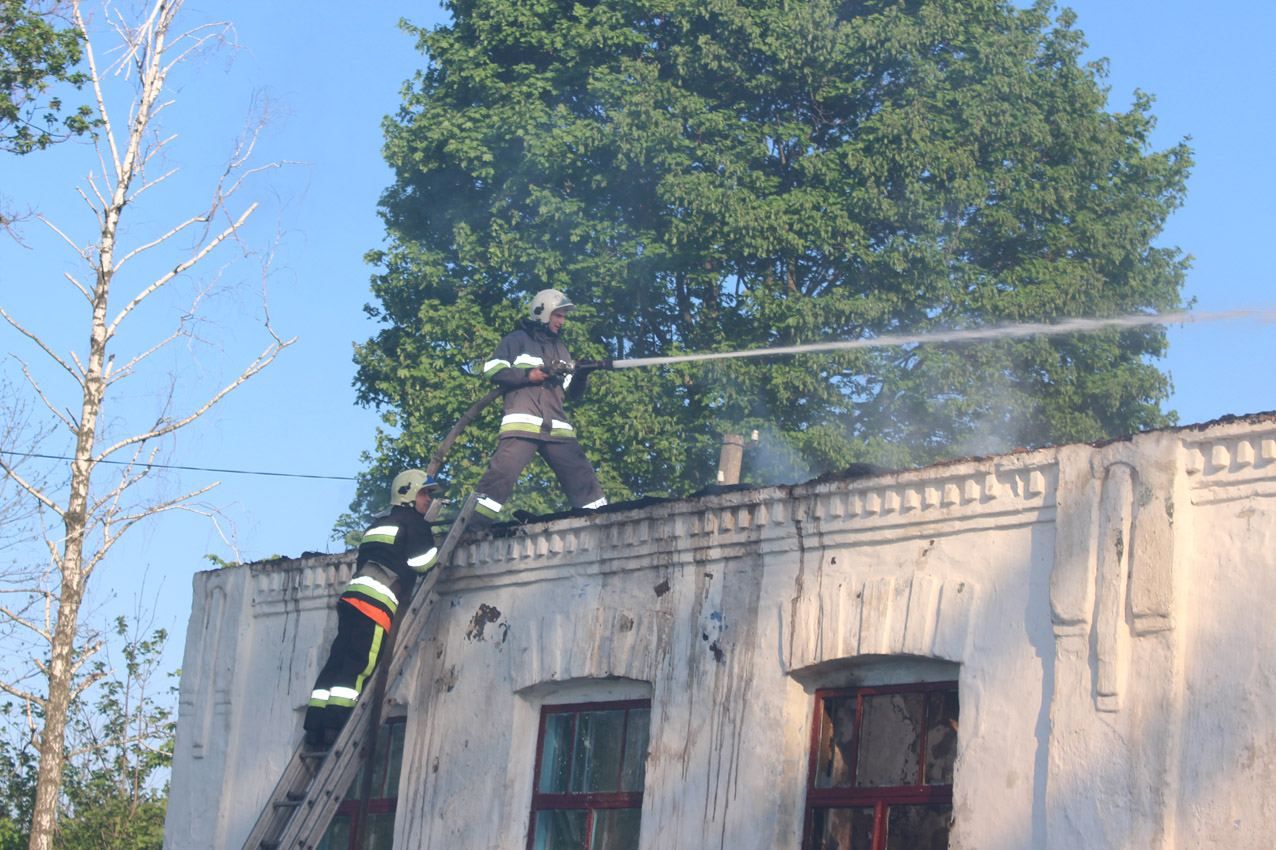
(312, 786)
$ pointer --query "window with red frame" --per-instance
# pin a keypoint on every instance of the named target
(590, 766)
(381, 776)
(881, 772)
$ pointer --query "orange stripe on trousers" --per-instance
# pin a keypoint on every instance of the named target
(372, 612)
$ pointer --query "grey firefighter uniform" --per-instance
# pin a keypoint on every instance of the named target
(395, 549)
(535, 421)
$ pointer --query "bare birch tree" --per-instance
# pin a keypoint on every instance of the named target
(95, 503)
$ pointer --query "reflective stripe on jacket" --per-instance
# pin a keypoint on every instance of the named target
(532, 410)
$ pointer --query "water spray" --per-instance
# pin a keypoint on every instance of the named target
(991, 332)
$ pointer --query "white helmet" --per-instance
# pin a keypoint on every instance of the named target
(408, 483)
(545, 302)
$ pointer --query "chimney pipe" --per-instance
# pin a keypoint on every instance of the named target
(729, 459)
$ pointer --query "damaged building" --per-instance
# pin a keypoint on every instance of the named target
(1070, 647)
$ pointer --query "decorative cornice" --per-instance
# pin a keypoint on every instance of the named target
(932, 493)
(730, 525)
(1224, 460)
(299, 584)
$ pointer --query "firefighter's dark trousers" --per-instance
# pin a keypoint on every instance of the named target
(365, 611)
(565, 457)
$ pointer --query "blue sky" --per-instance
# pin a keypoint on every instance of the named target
(329, 77)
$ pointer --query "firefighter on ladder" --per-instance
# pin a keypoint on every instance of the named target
(534, 367)
(395, 550)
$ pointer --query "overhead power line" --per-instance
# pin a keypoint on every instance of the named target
(190, 468)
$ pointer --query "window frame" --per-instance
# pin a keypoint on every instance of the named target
(372, 773)
(878, 798)
(591, 801)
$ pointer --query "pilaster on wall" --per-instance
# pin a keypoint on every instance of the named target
(208, 715)
(1115, 592)
(238, 706)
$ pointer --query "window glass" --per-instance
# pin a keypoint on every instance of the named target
(615, 829)
(941, 737)
(338, 835)
(596, 761)
(882, 767)
(843, 829)
(563, 829)
(394, 761)
(634, 773)
(918, 827)
(556, 751)
(837, 733)
(591, 765)
(382, 770)
(890, 735)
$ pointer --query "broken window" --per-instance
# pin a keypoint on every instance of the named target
(380, 776)
(590, 766)
(881, 772)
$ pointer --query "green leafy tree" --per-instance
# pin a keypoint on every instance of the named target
(114, 789)
(751, 173)
(17, 780)
(35, 56)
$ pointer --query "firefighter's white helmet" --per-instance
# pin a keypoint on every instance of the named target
(407, 483)
(545, 302)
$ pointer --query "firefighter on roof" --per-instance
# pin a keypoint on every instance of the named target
(534, 367)
(395, 550)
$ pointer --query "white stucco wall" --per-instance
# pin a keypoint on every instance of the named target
(1104, 610)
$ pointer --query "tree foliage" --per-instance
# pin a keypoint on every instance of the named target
(746, 173)
(121, 744)
(35, 56)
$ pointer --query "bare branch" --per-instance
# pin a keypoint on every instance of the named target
(151, 183)
(83, 291)
(101, 201)
(212, 516)
(36, 493)
(270, 166)
(179, 269)
(126, 522)
(221, 27)
(44, 399)
(127, 479)
(82, 252)
(19, 620)
(89, 652)
(263, 360)
(39, 342)
(25, 696)
(127, 369)
(91, 58)
(141, 740)
(160, 240)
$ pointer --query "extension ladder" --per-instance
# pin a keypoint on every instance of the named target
(315, 780)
